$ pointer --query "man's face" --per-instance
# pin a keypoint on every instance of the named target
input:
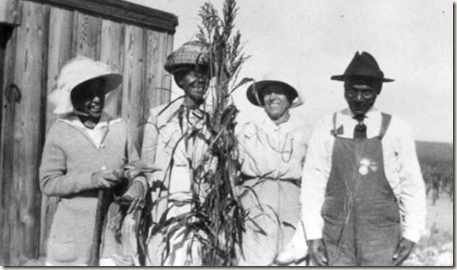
(360, 94)
(275, 102)
(195, 83)
(90, 98)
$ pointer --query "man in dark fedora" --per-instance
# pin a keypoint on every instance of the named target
(363, 194)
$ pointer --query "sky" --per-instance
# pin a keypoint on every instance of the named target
(304, 42)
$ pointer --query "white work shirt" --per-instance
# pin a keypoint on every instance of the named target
(401, 167)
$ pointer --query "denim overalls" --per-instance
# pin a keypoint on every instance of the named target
(360, 211)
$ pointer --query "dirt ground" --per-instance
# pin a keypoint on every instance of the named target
(436, 246)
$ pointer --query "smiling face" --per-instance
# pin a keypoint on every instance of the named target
(361, 94)
(89, 98)
(194, 82)
(276, 103)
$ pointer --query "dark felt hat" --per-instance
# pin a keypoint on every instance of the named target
(362, 65)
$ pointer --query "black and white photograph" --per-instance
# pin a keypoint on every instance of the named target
(226, 133)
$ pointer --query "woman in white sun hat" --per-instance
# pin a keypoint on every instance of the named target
(272, 153)
(86, 151)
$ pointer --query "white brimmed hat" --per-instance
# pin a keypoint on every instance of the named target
(256, 90)
(75, 72)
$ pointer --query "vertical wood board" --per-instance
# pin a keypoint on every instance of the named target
(9, 12)
(158, 84)
(161, 72)
(167, 78)
(29, 76)
(152, 68)
(6, 147)
(86, 35)
(59, 52)
(133, 82)
(112, 53)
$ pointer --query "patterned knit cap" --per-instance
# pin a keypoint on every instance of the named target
(190, 53)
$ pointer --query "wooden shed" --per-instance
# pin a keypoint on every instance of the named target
(36, 38)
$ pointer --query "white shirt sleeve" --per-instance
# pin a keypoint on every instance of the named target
(412, 187)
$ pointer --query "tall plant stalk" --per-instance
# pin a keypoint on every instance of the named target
(216, 218)
(226, 215)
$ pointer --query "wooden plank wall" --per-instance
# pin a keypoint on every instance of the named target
(6, 147)
(59, 51)
(133, 89)
(47, 37)
(9, 12)
(112, 42)
(158, 81)
(22, 144)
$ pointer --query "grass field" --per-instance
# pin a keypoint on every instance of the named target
(436, 247)
(437, 155)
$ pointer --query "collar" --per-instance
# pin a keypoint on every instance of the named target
(105, 120)
(174, 109)
(267, 123)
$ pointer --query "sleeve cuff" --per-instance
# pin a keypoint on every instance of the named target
(412, 235)
(312, 233)
(84, 181)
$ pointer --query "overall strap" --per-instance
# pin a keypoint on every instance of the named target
(334, 124)
(384, 124)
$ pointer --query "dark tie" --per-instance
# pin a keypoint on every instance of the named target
(360, 130)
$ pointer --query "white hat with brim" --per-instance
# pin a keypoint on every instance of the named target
(75, 72)
(256, 90)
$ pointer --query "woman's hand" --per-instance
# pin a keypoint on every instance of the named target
(105, 179)
(297, 249)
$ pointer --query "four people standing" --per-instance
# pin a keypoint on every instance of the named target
(360, 193)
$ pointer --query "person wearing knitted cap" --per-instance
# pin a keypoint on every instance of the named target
(271, 155)
(166, 146)
(363, 195)
(85, 151)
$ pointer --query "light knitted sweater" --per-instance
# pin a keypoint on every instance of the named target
(69, 159)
